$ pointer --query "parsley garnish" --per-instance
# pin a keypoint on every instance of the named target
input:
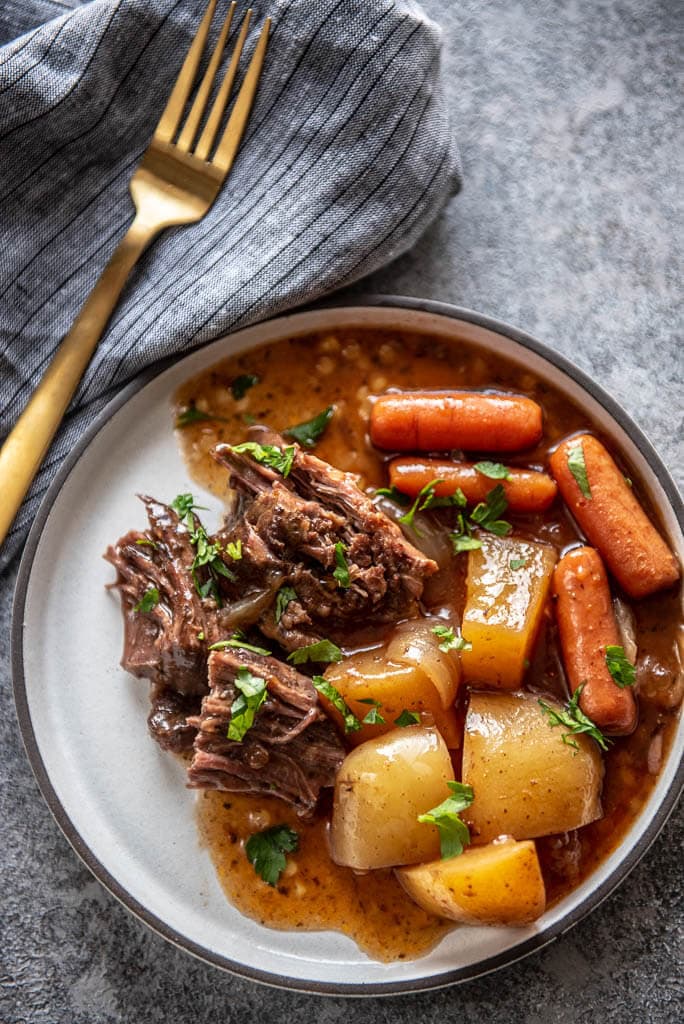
(269, 455)
(242, 384)
(283, 598)
(518, 563)
(341, 573)
(453, 833)
(310, 431)
(395, 495)
(450, 642)
(407, 718)
(426, 499)
(146, 542)
(148, 601)
(322, 650)
(462, 538)
(238, 640)
(351, 722)
(207, 552)
(244, 708)
(494, 470)
(620, 667)
(373, 717)
(574, 719)
(234, 550)
(578, 468)
(191, 414)
(486, 514)
(266, 851)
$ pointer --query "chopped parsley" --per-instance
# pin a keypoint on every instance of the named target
(242, 384)
(426, 499)
(620, 667)
(518, 563)
(453, 833)
(207, 553)
(269, 455)
(322, 650)
(341, 573)
(574, 720)
(351, 722)
(266, 851)
(309, 432)
(146, 542)
(148, 601)
(407, 718)
(191, 414)
(234, 550)
(494, 470)
(395, 495)
(486, 513)
(373, 717)
(450, 642)
(578, 468)
(244, 708)
(238, 640)
(283, 598)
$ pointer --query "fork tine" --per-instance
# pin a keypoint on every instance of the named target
(170, 119)
(207, 137)
(195, 115)
(230, 140)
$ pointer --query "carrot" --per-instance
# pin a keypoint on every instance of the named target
(526, 490)
(440, 420)
(586, 625)
(611, 517)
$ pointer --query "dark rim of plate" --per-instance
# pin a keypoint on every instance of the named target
(460, 974)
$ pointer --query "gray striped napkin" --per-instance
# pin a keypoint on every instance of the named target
(347, 157)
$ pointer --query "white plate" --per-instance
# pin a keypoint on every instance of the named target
(121, 802)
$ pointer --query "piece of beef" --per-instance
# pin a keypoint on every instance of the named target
(168, 719)
(290, 528)
(291, 751)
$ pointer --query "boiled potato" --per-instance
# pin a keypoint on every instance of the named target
(526, 781)
(381, 788)
(408, 672)
(507, 586)
(499, 884)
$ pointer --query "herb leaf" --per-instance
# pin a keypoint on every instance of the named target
(351, 722)
(309, 432)
(234, 550)
(266, 851)
(407, 718)
(269, 455)
(578, 468)
(146, 542)
(341, 573)
(395, 495)
(207, 552)
(620, 667)
(494, 470)
(191, 414)
(486, 513)
(518, 563)
(450, 642)
(373, 717)
(574, 720)
(245, 706)
(322, 650)
(283, 598)
(238, 640)
(242, 384)
(453, 833)
(148, 601)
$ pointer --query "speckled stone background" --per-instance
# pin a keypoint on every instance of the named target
(567, 115)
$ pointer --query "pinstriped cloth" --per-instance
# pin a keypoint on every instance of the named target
(347, 157)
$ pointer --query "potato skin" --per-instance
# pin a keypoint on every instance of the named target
(526, 781)
(497, 884)
(381, 788)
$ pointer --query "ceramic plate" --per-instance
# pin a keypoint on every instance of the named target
(121, 802)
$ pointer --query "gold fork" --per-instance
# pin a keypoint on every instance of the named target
(175, 183)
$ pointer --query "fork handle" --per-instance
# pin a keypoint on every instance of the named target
(29, 439)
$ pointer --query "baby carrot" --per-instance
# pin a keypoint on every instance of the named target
(587, 626)
(526, 490)
(441, 420)
(605, 507)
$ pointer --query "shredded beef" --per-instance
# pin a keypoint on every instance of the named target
(292, 750)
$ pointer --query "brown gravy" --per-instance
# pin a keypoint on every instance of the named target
(297, 379)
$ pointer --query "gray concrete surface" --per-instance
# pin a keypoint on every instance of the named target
(567, 115)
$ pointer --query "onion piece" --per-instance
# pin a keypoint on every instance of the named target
(414, 643)
(624, 616)
(429, 534)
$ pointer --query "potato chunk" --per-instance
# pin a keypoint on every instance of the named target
(527, 782)
(507, 586)
(497, 884)
(381, 788)
(408, 672)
